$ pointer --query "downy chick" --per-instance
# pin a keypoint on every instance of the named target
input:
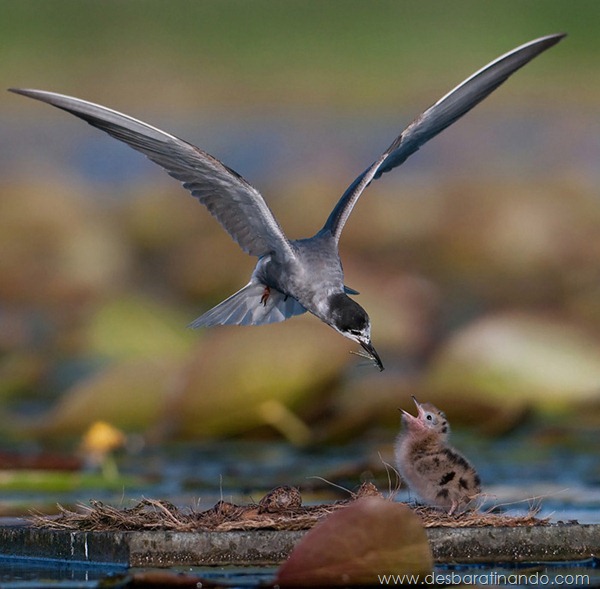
(439, 475)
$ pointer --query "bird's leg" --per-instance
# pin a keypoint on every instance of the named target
(265, 296)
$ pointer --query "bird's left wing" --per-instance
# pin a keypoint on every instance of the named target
(238, 206)
(435, 119)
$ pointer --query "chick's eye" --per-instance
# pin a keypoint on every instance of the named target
(429, 418)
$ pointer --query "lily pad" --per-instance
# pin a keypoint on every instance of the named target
(549, 362)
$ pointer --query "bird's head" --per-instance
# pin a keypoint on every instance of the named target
(428, 419)
(352, 321)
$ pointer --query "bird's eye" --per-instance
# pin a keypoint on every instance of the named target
(429, 417)
(355, 332)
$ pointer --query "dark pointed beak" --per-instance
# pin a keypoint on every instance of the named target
(368, 347)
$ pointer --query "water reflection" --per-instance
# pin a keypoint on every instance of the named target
(24, 573)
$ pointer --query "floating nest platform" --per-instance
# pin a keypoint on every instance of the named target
(156, 533)
(280, 509)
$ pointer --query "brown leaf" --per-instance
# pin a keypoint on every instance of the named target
(354, 545)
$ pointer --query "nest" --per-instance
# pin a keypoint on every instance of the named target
(433, 518)
(280, 509)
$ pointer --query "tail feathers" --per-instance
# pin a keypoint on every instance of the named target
(246, 308)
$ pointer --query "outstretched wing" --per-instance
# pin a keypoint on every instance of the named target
(435, 119)
(239, 207)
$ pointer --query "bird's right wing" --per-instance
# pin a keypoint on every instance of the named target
(238, 206)
(435, 119)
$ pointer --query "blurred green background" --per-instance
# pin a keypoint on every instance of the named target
(478, 260)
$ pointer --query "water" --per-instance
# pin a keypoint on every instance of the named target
(24, 574)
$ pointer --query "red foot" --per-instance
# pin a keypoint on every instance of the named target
(265, 296)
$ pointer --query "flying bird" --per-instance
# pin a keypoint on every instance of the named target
(291, 276)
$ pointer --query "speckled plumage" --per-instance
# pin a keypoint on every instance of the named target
(437, 474)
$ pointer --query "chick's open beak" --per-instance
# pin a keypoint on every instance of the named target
(420, 410)
(368, 347)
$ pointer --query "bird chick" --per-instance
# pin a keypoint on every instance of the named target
(439, 475)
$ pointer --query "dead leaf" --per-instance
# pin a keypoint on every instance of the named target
(354, 545)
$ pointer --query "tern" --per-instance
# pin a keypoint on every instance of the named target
(291, 276)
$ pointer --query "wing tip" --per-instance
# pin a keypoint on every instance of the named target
(533, 48)
(14, 90)
(546, 41)
(553, 37)
(29, 92)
